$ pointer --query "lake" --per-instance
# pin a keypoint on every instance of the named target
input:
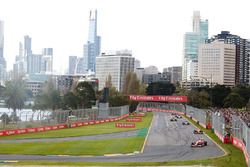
(27, 114)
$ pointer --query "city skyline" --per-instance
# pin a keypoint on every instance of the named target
(148, 29)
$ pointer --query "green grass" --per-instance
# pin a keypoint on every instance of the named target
(84, 130)
(86, 147)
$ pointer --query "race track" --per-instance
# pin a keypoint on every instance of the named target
(167, 141)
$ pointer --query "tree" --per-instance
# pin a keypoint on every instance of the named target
(248, 105)
(86, 94)
(41, 102)
(5, 118)
(55, 100)
(218, 94)
(160, 88)
(204, 99)
(193, 98)
(131, 84)
(70, 100)
(2, 89)
(243, 91)
(234, 100)
(15, 96)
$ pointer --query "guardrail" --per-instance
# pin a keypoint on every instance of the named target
(57, 127)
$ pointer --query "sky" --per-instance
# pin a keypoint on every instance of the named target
(152, 29)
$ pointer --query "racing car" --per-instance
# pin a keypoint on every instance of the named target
(185, 123)
(198, 131)
(199, 143)
(178, 116)
(173, 119)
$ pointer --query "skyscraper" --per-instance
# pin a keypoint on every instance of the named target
(191, 44)
(92, 47)
(117, 65)
(72, 64)
(28, 54)
(47, 61)
(242, 68)
(2, 60)
(217, 62)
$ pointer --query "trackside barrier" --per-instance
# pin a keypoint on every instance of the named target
(239, 144)
(56, 127)
(159, 110)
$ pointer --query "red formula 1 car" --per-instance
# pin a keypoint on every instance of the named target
(199, 143)
(198, 131)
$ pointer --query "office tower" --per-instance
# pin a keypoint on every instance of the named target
(2, 60)
(242, 56)
(191, 44)
(28, 60)
(137, 64)
(139, 73)
(47, 61)
(217, 62)
(117, 65)
(36, 63)
(79, 66)
(92, 48)
(72, 64)
(20, 65)
(175, 73)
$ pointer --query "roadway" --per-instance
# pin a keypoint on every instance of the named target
(167, 141)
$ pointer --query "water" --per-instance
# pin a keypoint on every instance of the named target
(27, 114)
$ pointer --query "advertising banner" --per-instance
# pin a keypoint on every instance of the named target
(133, 120)
(177, 99)
(125, 125)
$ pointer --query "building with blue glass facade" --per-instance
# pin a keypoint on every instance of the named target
(92, 47)
(2, 60)
(191, 45)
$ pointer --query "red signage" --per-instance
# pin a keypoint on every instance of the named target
(133, 120)
(125, 125)
(158, 98)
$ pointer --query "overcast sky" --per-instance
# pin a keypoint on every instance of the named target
(152, 29)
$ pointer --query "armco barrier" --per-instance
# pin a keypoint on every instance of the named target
(239, 144)
(159, 110)
(219, 135)
(56, 127)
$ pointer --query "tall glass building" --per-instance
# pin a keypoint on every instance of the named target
(191, 44)
(92, 48)
(2, 60)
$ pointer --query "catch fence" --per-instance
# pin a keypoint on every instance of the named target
(30, 119)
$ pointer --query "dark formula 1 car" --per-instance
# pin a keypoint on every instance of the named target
(173, 119)
(198, 131)
(199, 143)
(185, 123)
(178, 116)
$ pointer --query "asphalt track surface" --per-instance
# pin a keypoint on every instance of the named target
(90, 137)
(167, 141)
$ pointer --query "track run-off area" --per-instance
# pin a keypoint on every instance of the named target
(166, 141)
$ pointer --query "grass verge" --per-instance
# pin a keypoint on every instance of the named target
(84, 130)
(86, 147)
